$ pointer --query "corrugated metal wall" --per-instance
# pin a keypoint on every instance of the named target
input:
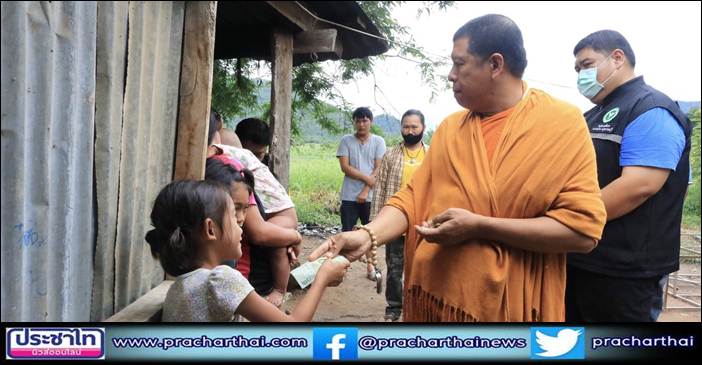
(135, 142)
(111, 63)
(48, 96)
(73, 225)
(148, 139)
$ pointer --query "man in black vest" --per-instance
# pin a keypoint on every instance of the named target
(642, 142)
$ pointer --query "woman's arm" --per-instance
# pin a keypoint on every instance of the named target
(286, 218)
(262, 233)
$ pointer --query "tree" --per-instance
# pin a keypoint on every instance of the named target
(234, 89)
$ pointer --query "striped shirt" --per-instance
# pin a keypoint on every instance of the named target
(389, 178)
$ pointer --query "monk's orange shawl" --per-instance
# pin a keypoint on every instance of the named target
(544, 165)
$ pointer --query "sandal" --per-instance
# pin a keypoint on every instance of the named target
(392, 317)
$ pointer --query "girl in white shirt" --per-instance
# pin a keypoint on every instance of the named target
(197, 225)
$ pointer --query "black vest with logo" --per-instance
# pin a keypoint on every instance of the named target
(646, 241)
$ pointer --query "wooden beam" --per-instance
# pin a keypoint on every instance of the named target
(148, 308)
(281, 105)
(318, 41)
(195, 89)
(294, 13)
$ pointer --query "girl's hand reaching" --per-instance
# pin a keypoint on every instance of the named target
(332, 273)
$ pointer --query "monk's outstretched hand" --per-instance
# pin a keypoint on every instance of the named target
(351, 245)
(453, 226)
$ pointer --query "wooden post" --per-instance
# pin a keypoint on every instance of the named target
(281, 106)
(195, 89)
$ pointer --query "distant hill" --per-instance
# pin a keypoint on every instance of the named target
(389, 124)
(311, 132)
(686, 106)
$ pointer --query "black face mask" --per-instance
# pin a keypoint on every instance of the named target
(411, 139)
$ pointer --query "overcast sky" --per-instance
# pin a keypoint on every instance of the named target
(665, 37)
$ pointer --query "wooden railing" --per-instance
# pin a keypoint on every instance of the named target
(148, 308)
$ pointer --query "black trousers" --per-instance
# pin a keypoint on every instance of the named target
(261, 272)
(592, 297)
(395, 260)
(351, 212)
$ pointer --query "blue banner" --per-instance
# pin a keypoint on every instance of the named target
(349, 342)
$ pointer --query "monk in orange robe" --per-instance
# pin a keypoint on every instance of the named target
(508, 187)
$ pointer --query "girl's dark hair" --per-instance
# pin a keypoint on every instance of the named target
(413, 112)
(226, 174)
(177, 216)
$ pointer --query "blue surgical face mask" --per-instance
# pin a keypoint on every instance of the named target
(587, 81)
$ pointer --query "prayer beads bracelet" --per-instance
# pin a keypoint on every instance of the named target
(374, 244)
(377, 275)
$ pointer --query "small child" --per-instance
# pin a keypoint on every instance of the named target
(197, 225)
(268, 254)
(262, 240)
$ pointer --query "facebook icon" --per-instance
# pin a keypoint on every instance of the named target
(335, 343)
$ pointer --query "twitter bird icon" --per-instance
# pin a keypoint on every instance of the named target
(557, 343)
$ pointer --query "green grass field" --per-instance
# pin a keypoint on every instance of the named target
(315, 182)
(691, 212)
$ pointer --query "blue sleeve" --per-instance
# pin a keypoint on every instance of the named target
(654, 139)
